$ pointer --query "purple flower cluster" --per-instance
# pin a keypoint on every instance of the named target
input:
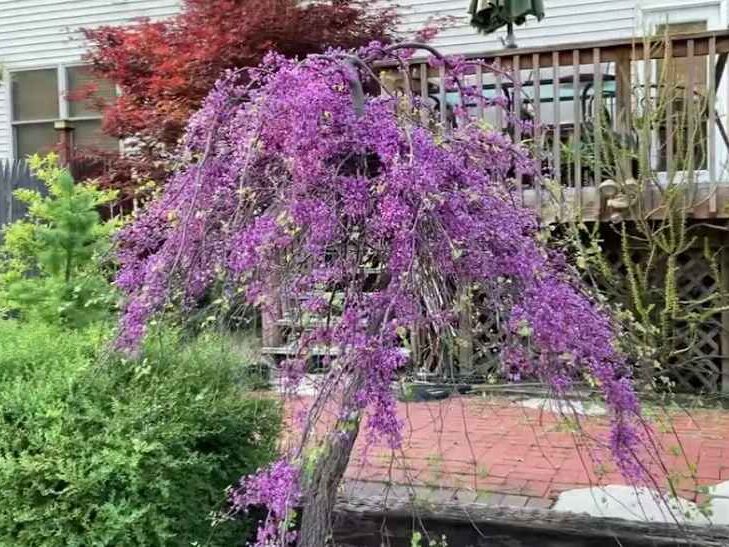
(293, 191)
(561, 337)
(275, 488)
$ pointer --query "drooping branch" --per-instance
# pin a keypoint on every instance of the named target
(339, 186)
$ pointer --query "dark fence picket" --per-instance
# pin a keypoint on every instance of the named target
(5, 192)
(15, 174)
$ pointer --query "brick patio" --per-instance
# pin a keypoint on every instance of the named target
(498, 451)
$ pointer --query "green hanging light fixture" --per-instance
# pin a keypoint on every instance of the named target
(490, 15)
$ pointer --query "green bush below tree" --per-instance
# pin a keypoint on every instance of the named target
(99, 451)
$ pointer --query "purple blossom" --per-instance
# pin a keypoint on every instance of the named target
(288, 191)
(275, 488)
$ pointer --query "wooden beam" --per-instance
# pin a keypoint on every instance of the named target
(576, 132)
(725, 318)
(598, 114)
(465, 336)
(371, 516)
(624, 92)
(711, 148)
(623, 100)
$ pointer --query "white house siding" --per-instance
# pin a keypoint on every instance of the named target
(715, 12)
(37, 33)
(45, 32)
(566, 21)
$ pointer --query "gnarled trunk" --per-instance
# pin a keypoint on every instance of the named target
(321, 488)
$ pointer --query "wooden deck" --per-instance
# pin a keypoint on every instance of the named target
(704, 202)
(588, 103)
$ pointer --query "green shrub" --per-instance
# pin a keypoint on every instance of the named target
(123, 453)
(51, 261)
(28, 348)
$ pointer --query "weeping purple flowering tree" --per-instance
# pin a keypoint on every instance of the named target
(297, 187)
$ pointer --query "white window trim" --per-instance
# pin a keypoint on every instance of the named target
(63, 102)
(678, 4)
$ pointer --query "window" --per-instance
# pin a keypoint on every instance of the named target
(81, 81)
(43, 96)
(35, 103)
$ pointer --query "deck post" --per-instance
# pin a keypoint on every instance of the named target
(623, 89)
(623, 97)
(465, 336)
(64, 129)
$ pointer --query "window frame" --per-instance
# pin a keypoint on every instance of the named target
(63, 102)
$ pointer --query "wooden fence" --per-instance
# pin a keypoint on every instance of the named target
(14, 175)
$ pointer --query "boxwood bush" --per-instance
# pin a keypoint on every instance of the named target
(99, 451)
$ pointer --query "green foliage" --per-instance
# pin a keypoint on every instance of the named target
(51, 262)
(123, 453)
(34, 348)
(417, 540)
(646, 287)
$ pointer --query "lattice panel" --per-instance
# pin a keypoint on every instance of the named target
(487, 348)
(700, 369)
(441, 357)
(697, 365)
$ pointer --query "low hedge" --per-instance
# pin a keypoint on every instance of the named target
(98, 451)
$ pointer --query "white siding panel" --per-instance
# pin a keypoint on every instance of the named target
(566, 21)
(34, 32)
(46, 32)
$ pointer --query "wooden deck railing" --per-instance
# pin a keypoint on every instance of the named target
(616, 110)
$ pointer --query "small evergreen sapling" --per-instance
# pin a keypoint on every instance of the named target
(52, 265)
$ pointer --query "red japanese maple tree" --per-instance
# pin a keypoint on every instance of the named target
(166, 68)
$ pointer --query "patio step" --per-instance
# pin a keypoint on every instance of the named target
(292, 350)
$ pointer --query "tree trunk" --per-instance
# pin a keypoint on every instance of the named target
(270, 331)
(270, 314)
(321, 488)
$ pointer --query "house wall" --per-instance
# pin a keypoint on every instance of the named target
(715, 12)
(45, 32)
(566, 21)
(36, 33)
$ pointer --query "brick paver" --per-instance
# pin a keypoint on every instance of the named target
(495, 446)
